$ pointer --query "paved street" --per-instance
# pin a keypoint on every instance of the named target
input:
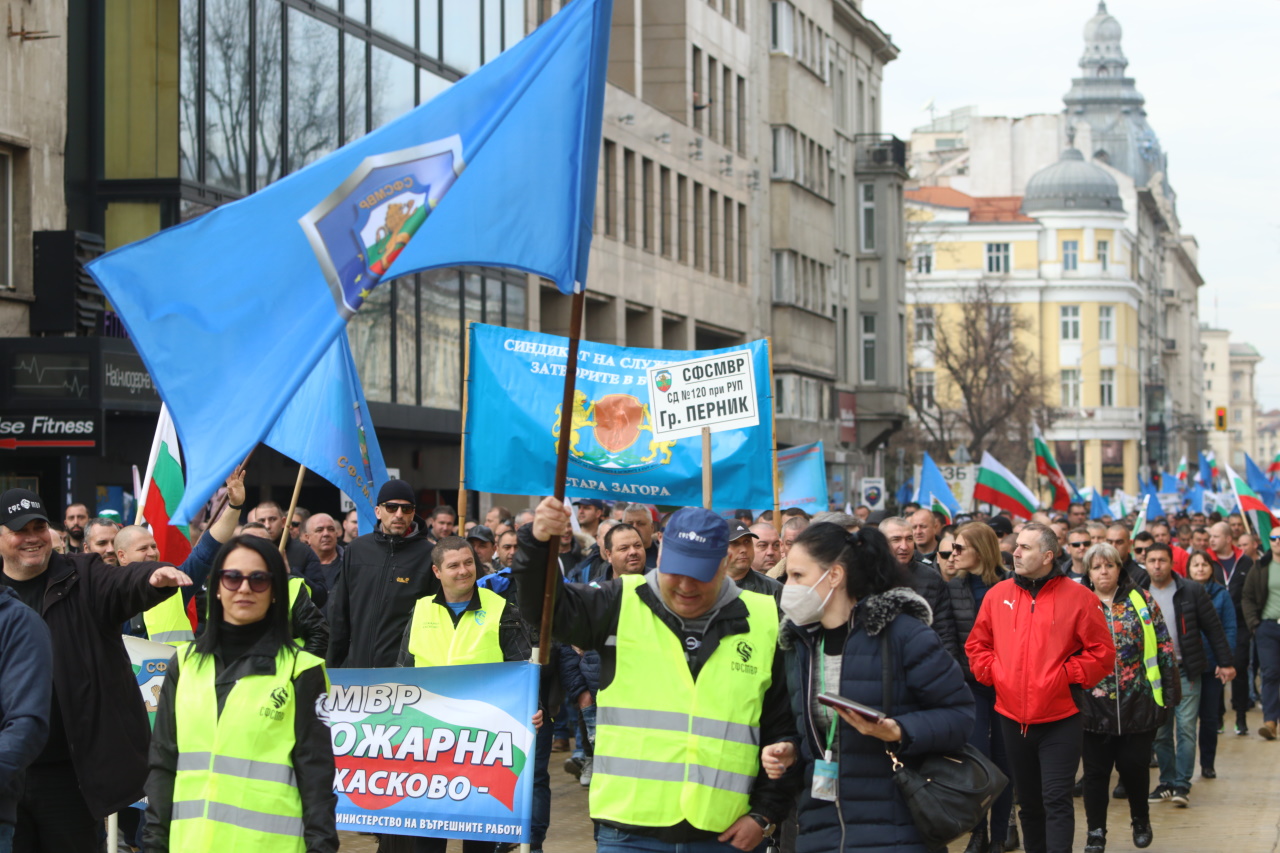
(1238, 811)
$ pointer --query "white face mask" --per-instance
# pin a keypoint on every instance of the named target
(801, 603)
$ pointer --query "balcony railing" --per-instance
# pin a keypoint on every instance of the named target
(880, 150)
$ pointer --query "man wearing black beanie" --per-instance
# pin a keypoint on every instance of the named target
(381, 578)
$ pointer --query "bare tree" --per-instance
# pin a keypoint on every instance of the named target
(999, 386)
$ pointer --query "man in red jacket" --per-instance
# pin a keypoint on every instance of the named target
(1037, 636)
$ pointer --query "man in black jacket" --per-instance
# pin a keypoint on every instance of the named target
(95, 760)
(1187, 610)
(690, 596)
(383, 574)
(925, 579)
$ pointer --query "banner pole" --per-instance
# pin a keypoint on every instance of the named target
(293, 505)
(706, 467)
(562, 471)
(113, 830)
(773, 442)
(462, 448)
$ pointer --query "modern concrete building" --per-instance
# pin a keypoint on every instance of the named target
(1229, 374)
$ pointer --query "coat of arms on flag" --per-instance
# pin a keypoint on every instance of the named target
(361, 227)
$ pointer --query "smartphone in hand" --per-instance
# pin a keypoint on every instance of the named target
(834, 700)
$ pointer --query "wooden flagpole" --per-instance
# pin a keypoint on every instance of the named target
(462, 457)
(706, 467)
(773, 442)
(562, 470)
(293, 505)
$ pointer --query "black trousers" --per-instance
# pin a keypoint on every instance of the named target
(52, 814)
(1044, 758)
(1240, 701)
(1130, 755)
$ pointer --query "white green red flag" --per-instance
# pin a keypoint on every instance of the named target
(941, 508)
(1048, 468)
(1140, 523)
(998, 486)
(1252, 507)
(1274, 468)
(1214, 470)
(1182, 469)
(162, 489)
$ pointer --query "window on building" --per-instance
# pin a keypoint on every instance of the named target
(1070, 255)
(682, 219)
(713, 234)
(1107, 387)
(784, 276)
(1000, 321)
(781, 26)
(699, 228)
(742, 243)
(699, 93)
(647, 229)
(869, 348)
(1237, 415)
(867, 216)
(711, 98)
(1070, 384)
(1070, 317)
(924, 258)
(729, 248)
(784, 140)
(741, 102)
(1104, 254)
(997, 257)
(629, 196)
(924, 324)
(665, 213)
(610, 188)
(6, 221)
(1106, 323)
(925, 389)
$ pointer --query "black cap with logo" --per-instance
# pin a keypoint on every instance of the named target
(18, 507)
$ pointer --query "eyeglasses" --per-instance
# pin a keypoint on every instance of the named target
(957, 549)
(945, 555)
(406, 509)
(1140, 551)
(1077, 544)
(295, 524)
(232, 580)
(1275, 538)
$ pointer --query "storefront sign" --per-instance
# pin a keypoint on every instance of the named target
(60, 432)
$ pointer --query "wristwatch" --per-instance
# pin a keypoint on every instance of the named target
(766, 826)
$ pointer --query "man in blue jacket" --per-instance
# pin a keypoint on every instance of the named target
(26, 673)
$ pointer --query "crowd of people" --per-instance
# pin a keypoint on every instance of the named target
(689, 655)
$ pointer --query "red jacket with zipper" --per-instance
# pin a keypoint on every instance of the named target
(1032, 650)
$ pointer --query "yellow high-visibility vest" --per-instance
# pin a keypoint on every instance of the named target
(167, 622)
(435, 641)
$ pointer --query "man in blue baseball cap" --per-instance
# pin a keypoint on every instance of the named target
(690, 687)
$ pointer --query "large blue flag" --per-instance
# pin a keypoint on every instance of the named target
(1206, 471)
(1258, 481)
(513, 425)
(932, 482)
(1195, 498)
(1169, 484)
(1098, 506)
(326, 427)
(1147, 489)
(498, 170)
(802, 475)
(903, 495)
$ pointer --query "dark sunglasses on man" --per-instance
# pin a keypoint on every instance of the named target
(393, 508)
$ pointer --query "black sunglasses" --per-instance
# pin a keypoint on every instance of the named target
(232, 580)
(1078, 544)
(407, 509)
(946, 555)
(1140, 551)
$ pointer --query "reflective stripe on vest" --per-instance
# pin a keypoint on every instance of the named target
(668, 748)
(235, 787)
(1150, 648)
(435, 641)
(167, 622)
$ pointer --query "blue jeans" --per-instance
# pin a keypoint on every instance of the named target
(6, 838)
(1268, 640)
(541, 787)
(610, 839)
(588, 717)
(989, 740)
(1176, 767)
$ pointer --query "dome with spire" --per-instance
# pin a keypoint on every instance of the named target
(1102, 54)
(1102, 27)
(1072, 183)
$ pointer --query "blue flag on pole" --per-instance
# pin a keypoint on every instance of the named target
(903, 495)
(1258, 481)
(1195, 498)
(326, 427)
(802, 472)
(498, 170)
(1153, 507)
(1206, 471)
(513, 425)
(932, 481)
(1098, 506)
(1169, 484)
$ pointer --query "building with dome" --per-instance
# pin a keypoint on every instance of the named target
(1083, 201)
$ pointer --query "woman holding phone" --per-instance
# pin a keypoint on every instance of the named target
(844, 594)
(239, 758)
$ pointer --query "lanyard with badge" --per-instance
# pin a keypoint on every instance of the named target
(826, 771)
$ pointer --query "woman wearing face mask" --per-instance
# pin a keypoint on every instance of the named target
(1202, 568)
(975, 556)
(1122, 712)
(239, 759)
(844, 593)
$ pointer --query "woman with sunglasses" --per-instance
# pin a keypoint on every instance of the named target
(1260, 602)
(1202, 569)
(974, 558)
(239, 759)
(1123, 710)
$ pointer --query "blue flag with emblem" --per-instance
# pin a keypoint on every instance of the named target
(1258, 481)
(512, 426)
(802, 478)
(498, 170)
(932, 482)
(326, 427)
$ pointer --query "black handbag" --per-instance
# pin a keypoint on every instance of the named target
(947, 792)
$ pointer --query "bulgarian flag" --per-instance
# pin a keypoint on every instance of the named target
(1252, 506)
(1048, 468)
(1140, 523)
(1214, 470)
(1275, 466)
(998, 486)
(1182, 469)
(162, 489)
(939, 507)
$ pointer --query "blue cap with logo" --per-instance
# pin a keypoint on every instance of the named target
(694, 542)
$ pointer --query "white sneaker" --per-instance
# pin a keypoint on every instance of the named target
(585, 779)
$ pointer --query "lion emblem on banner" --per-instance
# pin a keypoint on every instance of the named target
(606, 434)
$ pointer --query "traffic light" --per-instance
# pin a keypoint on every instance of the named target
(1220, 419)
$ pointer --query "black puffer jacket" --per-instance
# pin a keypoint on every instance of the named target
(380, 580)
(927, 581)
(964, 608)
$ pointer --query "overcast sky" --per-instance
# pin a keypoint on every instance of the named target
(1209, 74)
